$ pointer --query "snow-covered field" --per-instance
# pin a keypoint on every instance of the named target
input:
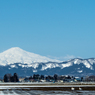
(33, 92)
(26, 89)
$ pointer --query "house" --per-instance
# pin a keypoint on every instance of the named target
(21, 79)
(90, 78)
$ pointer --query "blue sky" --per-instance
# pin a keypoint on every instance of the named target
(59, 29)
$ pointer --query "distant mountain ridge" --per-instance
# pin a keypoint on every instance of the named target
(26, 64)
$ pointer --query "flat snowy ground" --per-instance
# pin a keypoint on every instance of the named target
(25, 89)
(10, 87)
(33, 92)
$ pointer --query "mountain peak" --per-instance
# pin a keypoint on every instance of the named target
(18, 55)
(15, 49)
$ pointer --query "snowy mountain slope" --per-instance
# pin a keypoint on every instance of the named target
(88, 63)
(17, 55)
(49, 68)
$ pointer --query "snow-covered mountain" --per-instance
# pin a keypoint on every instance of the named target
(17, 55)
(25, 63)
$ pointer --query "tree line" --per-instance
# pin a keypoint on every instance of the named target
(10, 78)
(38, 77)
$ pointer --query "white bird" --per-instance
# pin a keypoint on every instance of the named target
(72, 88)
(80, 88)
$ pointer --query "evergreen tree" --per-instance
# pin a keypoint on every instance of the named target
(55, 77)
(9, 77)
(12, 79)
(81, 78)
(5, 78)
(30, 77)
(15, 77)
(34, 77)
(42, 76)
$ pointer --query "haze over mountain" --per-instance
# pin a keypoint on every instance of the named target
(25, 64)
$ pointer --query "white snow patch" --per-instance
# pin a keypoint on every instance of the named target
(77, 61)
(34, 70)
(91, 61)
(66, 65)
(12, 66)
(80, 71)
(30, 65)
(49, 65)
(24, 66)
(20, 64)
(87, 65)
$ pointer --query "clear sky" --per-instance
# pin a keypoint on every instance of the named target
(59, 29)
